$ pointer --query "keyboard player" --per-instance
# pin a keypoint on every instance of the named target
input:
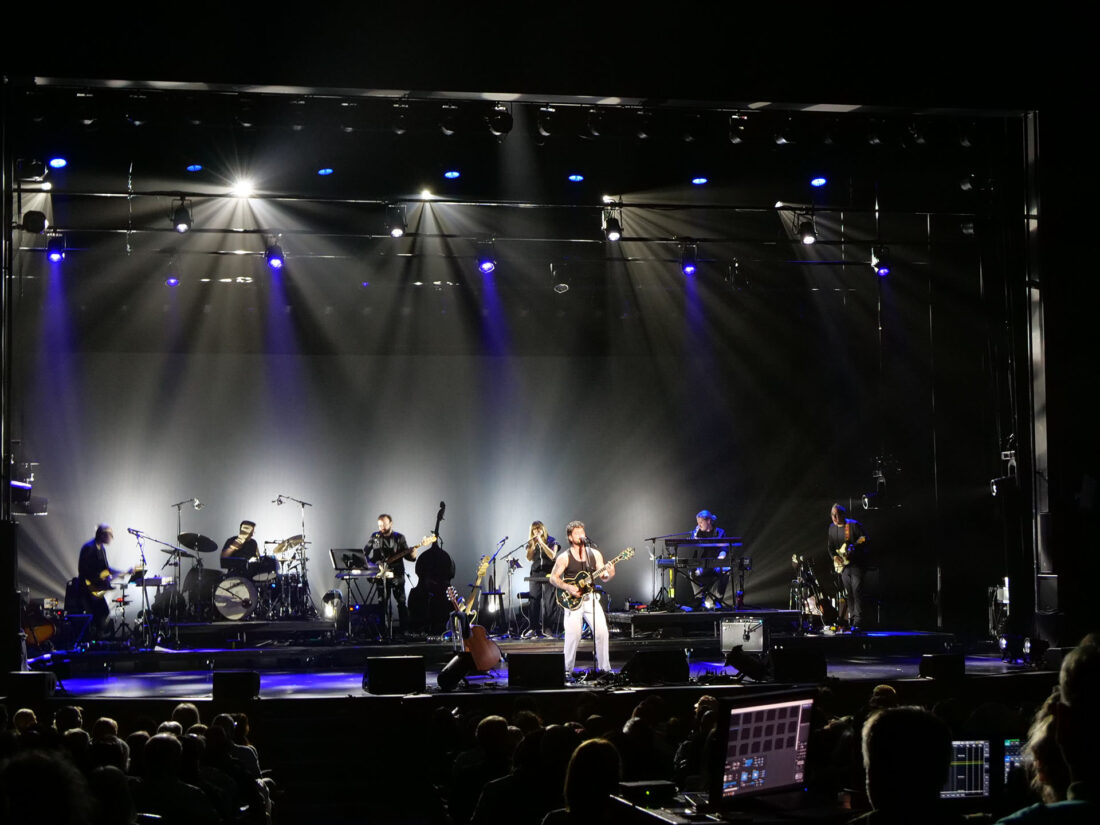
(709, 581)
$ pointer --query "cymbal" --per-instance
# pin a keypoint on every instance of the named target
(287, 546)
(198, 542)
(183, 553)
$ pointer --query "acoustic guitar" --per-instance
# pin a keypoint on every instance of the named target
(475, 640)
(584, 581)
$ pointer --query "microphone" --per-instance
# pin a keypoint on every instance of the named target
(198, 504)
(133, 532)
(591, 543)
(278, 499)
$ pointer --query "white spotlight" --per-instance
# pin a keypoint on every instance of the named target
(242, 188)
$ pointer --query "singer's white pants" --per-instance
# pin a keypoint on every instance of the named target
(591, 610)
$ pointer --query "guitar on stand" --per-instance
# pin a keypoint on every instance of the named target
(807, 595)
(475, 639)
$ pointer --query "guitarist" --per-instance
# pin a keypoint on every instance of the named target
(95, 577)
(383, 544)
(542, 549)
(848, 547)
(582, 556)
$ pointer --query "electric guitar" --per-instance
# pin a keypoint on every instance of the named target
(110, 582)
(583, 581)
(841, 556)
(475, 640)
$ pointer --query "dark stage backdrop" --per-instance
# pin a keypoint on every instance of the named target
(630, 405)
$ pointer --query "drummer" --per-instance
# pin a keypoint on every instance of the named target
(238, 549)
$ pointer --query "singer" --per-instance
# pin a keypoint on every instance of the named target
(582, 556)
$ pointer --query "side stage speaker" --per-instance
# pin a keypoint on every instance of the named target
(798, 665)
(536, 670)
(29, 685)
(394, 675)
(648, 667)
(236, 685)
(751, 635)
(943, 666)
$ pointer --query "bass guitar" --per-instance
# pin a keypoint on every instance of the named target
(584, 581)
(475, 640)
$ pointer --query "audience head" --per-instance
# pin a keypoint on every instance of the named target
(32, 776)
(173, 728)
(136, 742)
(163, 754)
(906, 755)
(1077, 713)
(592, 776)
(111, 795)
(187, 714)
(104, 728)
(24, 719)
(111, 751)
(68, 717)
(882, 697)
(1047, 768)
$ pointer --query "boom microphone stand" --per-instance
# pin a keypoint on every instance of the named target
(311, 610)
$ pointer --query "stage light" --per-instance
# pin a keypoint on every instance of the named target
(172, 280)
(1002, 485)
(699, 181)
(560, 277)
(194, 167)
(818, 182)
(325, 171)
(332, 601)
(612, 224)
(396, 223)
(448, 121)
(688, 251)
(576, 178)
(181, 217)
(546, 121)
(452, 174)
(46, 186)
(32, 170)
(872, 501)
(499, 121)
(55, 248)
(274, 256)
(1011, 646)
(242, 188)
(880, 260)
(426, 194)
(400, 118)
(58, 163)
(35, 222)
(486, 257)
(806, 233)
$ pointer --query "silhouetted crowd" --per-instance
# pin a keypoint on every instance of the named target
(69, 770)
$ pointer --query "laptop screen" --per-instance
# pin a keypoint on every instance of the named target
(766, 747)
(969, 774)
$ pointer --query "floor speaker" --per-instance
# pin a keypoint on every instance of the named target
(455, 671)
(536, 670)
(394, 675)
(944, 666)
(648, 667)
(236, 685)
(798, 665)
(29, 685)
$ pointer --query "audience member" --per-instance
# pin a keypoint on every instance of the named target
(162, 792)
(592, 776)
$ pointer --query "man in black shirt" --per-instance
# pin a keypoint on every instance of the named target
(848, 547)
(709, 581)
(384, 544)
(95, 577)
(238, 549)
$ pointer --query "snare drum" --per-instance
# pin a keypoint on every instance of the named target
(235, 598)
(263, 568)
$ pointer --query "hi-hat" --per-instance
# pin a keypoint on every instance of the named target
(182, 553)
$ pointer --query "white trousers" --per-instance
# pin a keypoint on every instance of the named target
(592, 611)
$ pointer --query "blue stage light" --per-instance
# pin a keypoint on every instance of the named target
(699, 181)
(194, 167)
(274, 256)
(325, 171)
(818, 182)
(55, 249)
(58, 163)
(687, 258)
(486, 257)
(487, 266)
(575, 178)
(172, 281)
(452, 174)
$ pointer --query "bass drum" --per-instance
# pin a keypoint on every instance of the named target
(235, 598)
(263, 569)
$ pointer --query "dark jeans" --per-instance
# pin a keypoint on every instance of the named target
(543, 607)
(852, 577)
(396, 588)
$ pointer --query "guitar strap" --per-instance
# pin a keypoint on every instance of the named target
(847, 531)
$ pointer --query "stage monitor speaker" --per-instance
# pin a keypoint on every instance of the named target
(944, 666)
(236, 685)
(455, 671)
(751, 635)
(394, 675)
(649, 793)
(647, 667)
(536, 670)
(29, 685)
(798, 665)
(1052, 658)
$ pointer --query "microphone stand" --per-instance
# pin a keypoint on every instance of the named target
(311, 610)
(173, 559)
(494, 591)
(668, 600)
(512, 567)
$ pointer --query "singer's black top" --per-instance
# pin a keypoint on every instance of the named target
(542, 564)
(575, 566)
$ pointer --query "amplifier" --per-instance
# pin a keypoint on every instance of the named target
(750, 634)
